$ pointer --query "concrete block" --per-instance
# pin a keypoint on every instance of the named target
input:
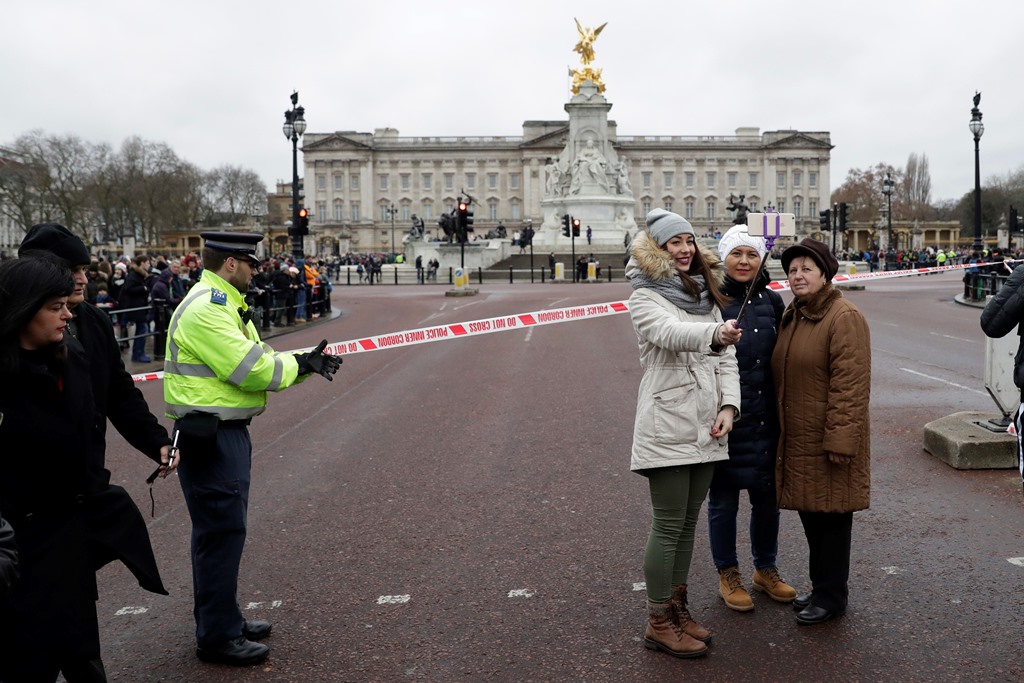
(960, 442)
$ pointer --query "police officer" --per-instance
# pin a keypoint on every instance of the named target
(217, 374)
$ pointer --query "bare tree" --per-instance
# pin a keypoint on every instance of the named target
(917, 186)
(54, 181)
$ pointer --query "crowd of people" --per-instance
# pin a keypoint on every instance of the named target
(141, 293)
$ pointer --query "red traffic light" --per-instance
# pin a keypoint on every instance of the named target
(463, 206)
(303, 212)
(576, 223)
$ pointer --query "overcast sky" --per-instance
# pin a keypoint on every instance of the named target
(212, 78)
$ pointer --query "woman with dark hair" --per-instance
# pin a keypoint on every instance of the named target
(48, 619)
(689, 396)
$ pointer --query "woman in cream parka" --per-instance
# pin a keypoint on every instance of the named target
(688, 398)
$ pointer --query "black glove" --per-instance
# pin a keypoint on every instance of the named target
(319, 362)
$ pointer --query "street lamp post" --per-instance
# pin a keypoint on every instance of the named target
(887, 187)
(294, 127)
(977, 129)
(391, 211)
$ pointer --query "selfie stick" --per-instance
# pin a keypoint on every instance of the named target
(772, 225)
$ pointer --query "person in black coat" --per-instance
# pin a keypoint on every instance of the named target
(52, 483)
(1003, 313)
(135, 300)
(752, 442)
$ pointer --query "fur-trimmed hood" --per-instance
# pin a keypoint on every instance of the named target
(654, 261)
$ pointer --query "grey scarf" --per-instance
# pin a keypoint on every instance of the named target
(672, 289)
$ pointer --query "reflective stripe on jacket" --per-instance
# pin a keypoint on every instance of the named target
(216, 364)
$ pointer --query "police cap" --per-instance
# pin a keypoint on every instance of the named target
(237, 244)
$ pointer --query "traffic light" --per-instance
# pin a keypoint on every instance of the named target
(566, 226)
(842, 216)
(303, 227)
(469, 216)
(462, 220)
(1014, 220)
(825, 220)
(575, 227)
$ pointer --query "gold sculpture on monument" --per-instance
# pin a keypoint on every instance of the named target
(585, 47)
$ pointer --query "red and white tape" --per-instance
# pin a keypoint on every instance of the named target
(519, 321)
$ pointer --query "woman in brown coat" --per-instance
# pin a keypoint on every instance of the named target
(822, 370)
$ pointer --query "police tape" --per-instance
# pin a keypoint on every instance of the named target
(521, 321)
(472, 328)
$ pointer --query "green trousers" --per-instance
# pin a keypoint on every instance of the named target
(677, 494)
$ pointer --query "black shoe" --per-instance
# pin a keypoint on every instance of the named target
(256, 630)
(812, 614)
(237, 652)
(802, 600)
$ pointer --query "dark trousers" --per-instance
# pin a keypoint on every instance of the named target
(217, 495)
(723, 505)
(828, 541)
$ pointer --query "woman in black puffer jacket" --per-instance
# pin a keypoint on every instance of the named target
(752, 443)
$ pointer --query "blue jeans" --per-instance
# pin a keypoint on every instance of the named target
(300, 302)
(723, 504)
(139, 343)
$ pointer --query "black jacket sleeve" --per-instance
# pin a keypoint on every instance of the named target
(8, 558)
(117, 397)
(1006, 309)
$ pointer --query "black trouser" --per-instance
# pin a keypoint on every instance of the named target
(828, 541)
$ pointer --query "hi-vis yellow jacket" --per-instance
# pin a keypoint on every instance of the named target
(217, 364)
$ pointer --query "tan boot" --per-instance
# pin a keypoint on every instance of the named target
(663, 633)
(730, 587)
(691, 627)
(768, 581)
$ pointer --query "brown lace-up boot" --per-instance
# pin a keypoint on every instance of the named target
(768, 581)
(664, 633)
(732, 591)
(691, 627)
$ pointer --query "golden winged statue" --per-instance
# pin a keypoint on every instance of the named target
(586, 45)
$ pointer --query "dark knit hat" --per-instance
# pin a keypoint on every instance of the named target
(57, 240)
(818, 251)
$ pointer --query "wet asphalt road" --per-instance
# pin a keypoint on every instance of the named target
(463, 511)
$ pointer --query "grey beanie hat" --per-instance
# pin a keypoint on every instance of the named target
(664, 225)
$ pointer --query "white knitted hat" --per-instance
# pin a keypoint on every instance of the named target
(737, 236)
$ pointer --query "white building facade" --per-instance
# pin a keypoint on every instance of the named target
(363, 189)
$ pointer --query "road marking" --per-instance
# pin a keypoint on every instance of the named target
(529, 333)
(949, 336)
(1019, 561)
(273, 604)
(944, 381)
(892, 571)
(131, 610)
(393, 599)
(522, 593)
(642, 586)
